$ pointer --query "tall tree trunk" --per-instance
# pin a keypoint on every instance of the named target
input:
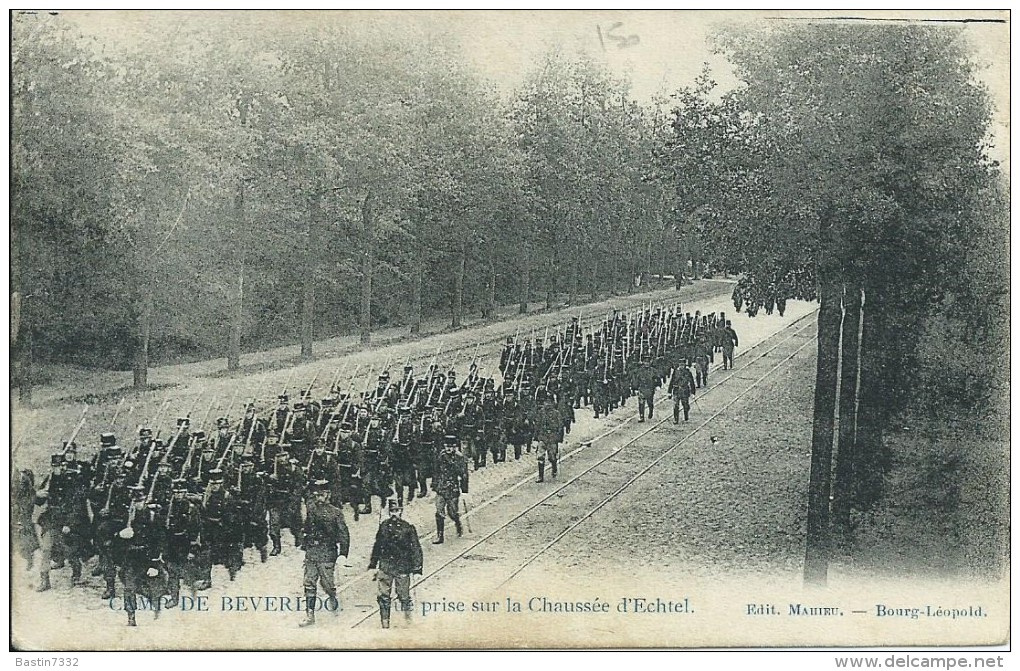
(575, 272)
(458, 286)
(550, 281)
(614, 272)
(237, 314)
(416, 289)
(490, 303)
(25, 328)
(849, 384)
(143, 333)
(595, 277)
(309, 278)
(525, 280)
(367, 265)
(817, 551)
(21, 296)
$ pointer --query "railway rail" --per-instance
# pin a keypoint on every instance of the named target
(789, 338)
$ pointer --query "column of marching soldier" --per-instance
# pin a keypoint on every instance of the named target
(164, 512)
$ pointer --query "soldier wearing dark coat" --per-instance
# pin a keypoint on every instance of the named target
(681, 388)
(449, 482)
(221, 528)
(729, 341)
(251, 505)
(350, 458)
(184, 527)
(326, 538)
(144, 541)
(402, 457)
(492, 437)
(65, 533)
(285, 484)
(397, 555)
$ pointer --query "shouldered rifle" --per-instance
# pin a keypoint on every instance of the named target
(77, 429)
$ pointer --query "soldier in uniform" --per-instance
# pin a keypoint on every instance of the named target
(702, 357)
(397, 555)
(64, 524)
(285, 483)
(377, 473)
(221, 528)
(548, 433)
(468, 422)
(144, 538)
(729, 341)
(492, 429)
(646, 381)
(449, 482)
(351, 463)
(184, 526)
(326, 537)
(251, 505)
(402, 457)
(681, 388)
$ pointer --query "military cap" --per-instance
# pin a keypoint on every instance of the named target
(320, 486)
(451, 440)
(183, 421)
(112, 452)
(300, 405)
(137, 491)
(408, 367)
(69, 447)
(198, 435)
(404, 408)
(394, 505)
(179, 485)
(347, 426)
(222, 423)
(107, 439)
(57, 460)
(385, 375)
(216, 475)
(272, 435)
(283, 454)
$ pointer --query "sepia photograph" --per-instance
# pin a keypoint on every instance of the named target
(509, 330)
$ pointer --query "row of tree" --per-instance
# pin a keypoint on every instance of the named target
(851, 166)
(222, 185)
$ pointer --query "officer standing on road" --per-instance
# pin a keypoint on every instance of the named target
(326, 537)
(397, 554)
(729, 341)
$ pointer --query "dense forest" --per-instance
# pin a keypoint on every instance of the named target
(225, 185)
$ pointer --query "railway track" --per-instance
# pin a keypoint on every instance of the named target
(539, 525)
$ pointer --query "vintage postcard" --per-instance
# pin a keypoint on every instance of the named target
(509, 330)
